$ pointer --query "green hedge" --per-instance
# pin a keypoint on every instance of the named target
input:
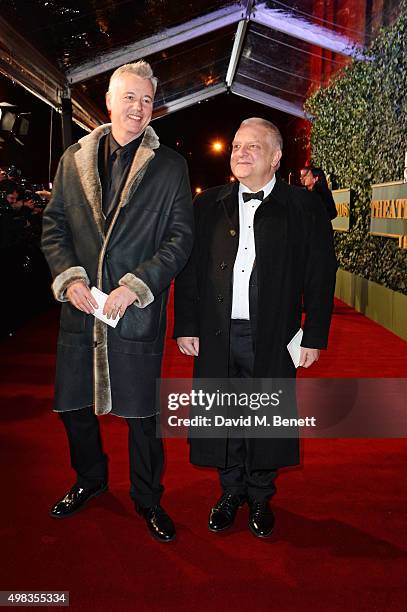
(359, 137)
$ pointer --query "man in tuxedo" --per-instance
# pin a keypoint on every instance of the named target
(263, 251)
(120, 219)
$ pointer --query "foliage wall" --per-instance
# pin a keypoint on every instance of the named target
(359, 137)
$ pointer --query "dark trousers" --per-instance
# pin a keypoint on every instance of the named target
(146, 454)
(238, 476)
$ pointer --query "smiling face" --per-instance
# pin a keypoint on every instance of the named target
(130, 102)
(255, 156)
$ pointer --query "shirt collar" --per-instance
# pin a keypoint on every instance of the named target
(267, 188)
(130, 147)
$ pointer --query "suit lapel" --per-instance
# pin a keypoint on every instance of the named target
(229, 201)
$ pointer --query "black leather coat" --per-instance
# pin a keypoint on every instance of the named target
(147, 243)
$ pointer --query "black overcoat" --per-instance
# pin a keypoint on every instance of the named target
(145, 243)
(296, 265)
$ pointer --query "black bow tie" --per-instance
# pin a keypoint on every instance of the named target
(253, 196)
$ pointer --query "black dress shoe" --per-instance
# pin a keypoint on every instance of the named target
(261, 519)
(222, 515)
(158, 522)
(74, 500)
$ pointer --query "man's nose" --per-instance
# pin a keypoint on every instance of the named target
(243, 151)
(137, 104)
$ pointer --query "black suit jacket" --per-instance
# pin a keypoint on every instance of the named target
(295, 265)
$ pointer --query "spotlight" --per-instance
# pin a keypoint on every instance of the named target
(217, 146)
(13, 125)
(8, 116)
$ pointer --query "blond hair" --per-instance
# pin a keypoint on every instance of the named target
(141, 69)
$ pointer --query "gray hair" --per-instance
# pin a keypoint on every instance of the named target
(273, 129)
(141, 69)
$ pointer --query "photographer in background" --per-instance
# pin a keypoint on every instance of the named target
(24, 267)
(33, 206)
(314, 179)
(13, 228)
(13, 219)
(10, 191)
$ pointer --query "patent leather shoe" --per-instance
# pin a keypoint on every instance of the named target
(223, 513)
(261, 518)
(158, 522)
(75, 500)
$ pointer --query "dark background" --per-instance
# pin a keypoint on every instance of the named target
(193, 128)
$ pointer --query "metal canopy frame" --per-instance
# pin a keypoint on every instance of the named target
(23, 63)
(154, 44)
(190, 100)
(268, 100)
(238, 43)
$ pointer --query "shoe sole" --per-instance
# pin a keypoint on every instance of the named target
(263, 537)
(63, 516)
(220, 530)
(162, 541)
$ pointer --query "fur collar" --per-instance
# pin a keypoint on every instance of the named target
(86, 159)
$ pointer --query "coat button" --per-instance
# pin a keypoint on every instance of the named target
(223, 265)
(218, 332)
(220, 298)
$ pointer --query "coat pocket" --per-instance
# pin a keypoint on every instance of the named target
(72, 319)
(142, 324)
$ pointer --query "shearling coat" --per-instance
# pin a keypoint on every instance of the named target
(145, 244)
(295, 264)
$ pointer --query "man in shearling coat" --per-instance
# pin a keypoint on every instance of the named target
(262, 250)
(120, 219)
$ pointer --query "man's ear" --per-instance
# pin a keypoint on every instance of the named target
(276, 158)
(108, 103)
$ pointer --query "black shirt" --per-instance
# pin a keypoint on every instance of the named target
(114, 164)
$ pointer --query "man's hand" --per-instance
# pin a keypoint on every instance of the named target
(80, 296)
(118, 301)
(188, 345)
(308, 356)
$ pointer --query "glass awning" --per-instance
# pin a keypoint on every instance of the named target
(72, 31)
(183, 71)
(282, 66)
(273, 52)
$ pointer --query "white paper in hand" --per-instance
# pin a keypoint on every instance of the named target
(294, 347)
(101, 298)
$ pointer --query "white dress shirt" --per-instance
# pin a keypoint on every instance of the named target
(246, 253)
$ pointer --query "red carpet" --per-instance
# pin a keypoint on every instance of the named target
(340, 541)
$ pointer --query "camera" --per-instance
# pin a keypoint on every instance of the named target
(34, 197)
(14, 173)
